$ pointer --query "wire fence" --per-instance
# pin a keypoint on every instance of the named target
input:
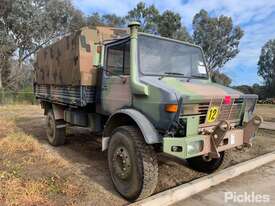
(21, 97)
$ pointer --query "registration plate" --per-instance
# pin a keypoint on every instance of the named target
(212, 114)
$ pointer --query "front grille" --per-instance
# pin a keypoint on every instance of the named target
(203, 109)
(226, 112)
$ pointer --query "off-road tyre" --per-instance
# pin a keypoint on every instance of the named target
(201, 165)
(127, 149)
(56, 131)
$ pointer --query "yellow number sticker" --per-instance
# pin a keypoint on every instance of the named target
(212, 114)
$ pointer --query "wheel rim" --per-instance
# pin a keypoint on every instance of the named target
(121, 163)
(50, 127)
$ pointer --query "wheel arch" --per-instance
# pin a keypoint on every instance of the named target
(57, 110)
(131, 117)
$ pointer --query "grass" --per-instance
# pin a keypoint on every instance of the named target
(267, 111)
(29, 173)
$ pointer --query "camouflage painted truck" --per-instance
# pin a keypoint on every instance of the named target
(145, 95)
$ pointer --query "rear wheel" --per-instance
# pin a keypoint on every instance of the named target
(56, 130)
(132, 163)
(209, 165)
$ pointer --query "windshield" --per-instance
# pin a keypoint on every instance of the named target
(159, 56)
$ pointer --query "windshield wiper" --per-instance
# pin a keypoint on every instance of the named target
(197, 76)
(170, 73)
(174, 73)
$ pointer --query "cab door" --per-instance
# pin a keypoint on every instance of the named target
(115, 91)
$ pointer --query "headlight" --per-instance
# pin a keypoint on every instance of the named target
(194, 147)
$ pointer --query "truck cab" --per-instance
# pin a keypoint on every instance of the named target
(155, 95)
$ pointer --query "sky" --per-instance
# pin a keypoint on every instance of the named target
(256, 18)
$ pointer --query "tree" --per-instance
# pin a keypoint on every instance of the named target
(183, 35)
(95, 20)
(218, 38)
(7, 48)
(260, 91)
(106, 20)
(168, 24)
(266, 66)
(221, 78)
(113, 20)
(246, 89)
(33, 24)
(147, 16)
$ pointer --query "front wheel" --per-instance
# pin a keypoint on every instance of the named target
(132, 163)
(209, 165)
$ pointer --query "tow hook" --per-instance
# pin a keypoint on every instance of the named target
(250, 129)
(217, 137)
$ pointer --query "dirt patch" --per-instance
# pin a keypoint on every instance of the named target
(34, 173)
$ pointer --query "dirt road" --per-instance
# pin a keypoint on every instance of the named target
(79, 166)
(253, 188)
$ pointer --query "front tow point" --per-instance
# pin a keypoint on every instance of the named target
(250, 128)
(217, 137)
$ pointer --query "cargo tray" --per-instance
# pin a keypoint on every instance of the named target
(67, 95)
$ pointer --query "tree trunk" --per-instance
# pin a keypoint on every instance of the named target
(1, 80)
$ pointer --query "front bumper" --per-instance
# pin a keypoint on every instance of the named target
(219, 140)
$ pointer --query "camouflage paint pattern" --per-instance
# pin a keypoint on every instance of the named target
(115, 94)
(149, 95)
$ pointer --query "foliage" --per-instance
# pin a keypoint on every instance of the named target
(183, 35)
(168, 23)
(113, 20)
(266, 66)
(25, 95)
(33, 23)
(218, 38)
(106, 20)
(6, 50)
(221, 78)
(254, 89)
(147, 16)
(94, 20)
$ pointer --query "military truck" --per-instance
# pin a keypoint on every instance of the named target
(144, 94)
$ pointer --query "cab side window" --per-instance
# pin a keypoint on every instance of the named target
(118, 59)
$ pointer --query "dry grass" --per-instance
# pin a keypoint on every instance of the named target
(29, 174)
(267, 111)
